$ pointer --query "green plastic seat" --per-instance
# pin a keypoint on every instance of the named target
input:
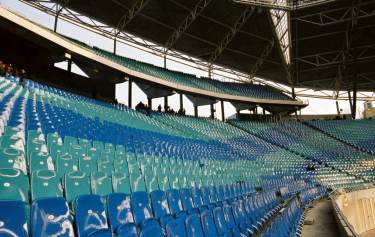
(163, 183)
(105, 166)
(101, 183)
(69, 141)
(14, 185)
(87, 164)
(120, 182)
(151, 182)
(121, 166)
(13, 158)
(45, 183)
(76, 183)
(40, 161)
(65, 163)
(137, 183)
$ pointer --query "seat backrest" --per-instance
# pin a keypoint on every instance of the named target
(197, 197)
(51, 217)
(14, 185)
(176, 228)
(76, 183)
(101, 183)
(119, 210)
(151, 230)
(13, 218)
(137, 183)
(159, 203)
(220, 222)
(90, 215)
(228, 215)
(141, 207)
(208, 224)
(120, 183)
(193, 226)
(187, 200)
(205, 196)
(174, 201)
(45, 183)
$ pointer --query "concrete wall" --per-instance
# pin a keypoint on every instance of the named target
(359, 209)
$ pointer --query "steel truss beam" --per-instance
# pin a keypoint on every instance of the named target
(245, 15)
(92, 25)
(286, 5)
(339, 56)
(339, 15)
(266, 51)
(198, 8)
(130, 14)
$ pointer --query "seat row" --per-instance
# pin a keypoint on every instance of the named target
(184, 212)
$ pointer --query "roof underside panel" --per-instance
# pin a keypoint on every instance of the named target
(321, 56)
(158, 20)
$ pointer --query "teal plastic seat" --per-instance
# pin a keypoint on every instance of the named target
(77, 150)
(69, 140)
(101, 183)
(151, 182)
(14, 185)
(121, 166)
(45, 183)
(64, 164)
(121, 183)
(137, 182)
(105, 166)
(13, 159)
(87, 164)
(76, 183)
(40, 161)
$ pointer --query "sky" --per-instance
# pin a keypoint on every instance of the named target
(316, 106)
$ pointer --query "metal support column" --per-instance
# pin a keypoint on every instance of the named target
(181, 101)
(195, 110)
(293, 93)
(263, 111)
(114, 45)
(165, 103)
(130, 92)
(354, 97)
(337, 107)
(69, 65)
(222, 111)
(149, 103)
(350, 102)
(212, 110)
(238, 113)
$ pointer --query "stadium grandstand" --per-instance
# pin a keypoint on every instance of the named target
(87, 150)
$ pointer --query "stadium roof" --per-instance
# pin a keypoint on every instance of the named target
(332, 42)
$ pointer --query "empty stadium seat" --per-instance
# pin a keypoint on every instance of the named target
(13, 219)
(90, 217)
(45, 183)
(76, 183)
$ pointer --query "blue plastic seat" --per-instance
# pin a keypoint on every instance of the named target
(174, 201)
(197, 198)
(194, 226)
(208, 224)
(176, 228)
(151, 230)
(160, 206)
(13, 219)
(51, 217)
(141, 208)
(221, 224)
(229, 218)
(187, 200)
(90, 217)
(120, 215)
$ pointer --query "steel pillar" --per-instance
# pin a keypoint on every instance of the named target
(222, 111)
(165, 103)
(130, 92)
(181, 102)
(149, 102)
(69, 65)
(195, 110)
(212, 110)
(354, 111)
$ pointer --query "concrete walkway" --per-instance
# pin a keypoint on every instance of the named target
(370, 233)
(324, 222)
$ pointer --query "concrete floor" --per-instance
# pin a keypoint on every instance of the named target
(324, 222)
